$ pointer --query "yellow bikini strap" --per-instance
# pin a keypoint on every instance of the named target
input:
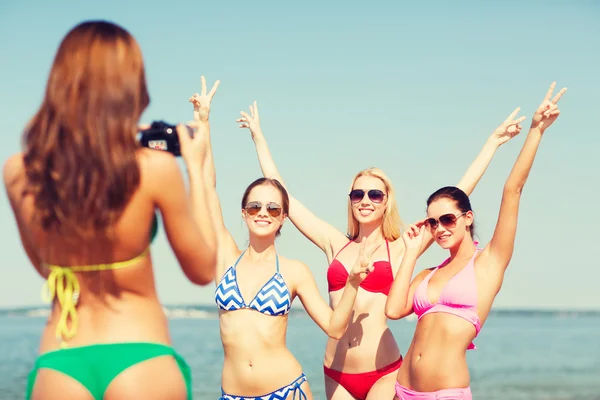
(62, 284)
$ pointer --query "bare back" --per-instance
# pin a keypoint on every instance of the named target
(114, 305)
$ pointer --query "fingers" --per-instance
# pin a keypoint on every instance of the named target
(203, 84)
(143, 127)
(195, 100)
(255, 109)
(550, 90)
(551, 110)
(559, 95)
(214, 89)
(513, 114)
(518, 121)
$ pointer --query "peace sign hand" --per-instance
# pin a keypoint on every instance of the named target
(510, 128)
(363, 265)
(250, 121)
(548, 111)
(202, 101)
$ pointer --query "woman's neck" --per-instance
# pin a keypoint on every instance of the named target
(261, 248)
(370, 232)
(464, 249)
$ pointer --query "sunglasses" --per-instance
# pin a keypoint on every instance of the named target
(254, 207)
(447, 220)
(375, 195)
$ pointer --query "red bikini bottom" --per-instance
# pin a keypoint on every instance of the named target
(358, 385)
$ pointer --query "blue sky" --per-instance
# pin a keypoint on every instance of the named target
(414, 88)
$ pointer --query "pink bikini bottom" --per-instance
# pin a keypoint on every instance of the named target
(444, 394)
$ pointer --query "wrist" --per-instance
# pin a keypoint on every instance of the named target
(412, 253)
(492, 143)
(257, 134)
(352, 283)
(193, 166)
(536, 130)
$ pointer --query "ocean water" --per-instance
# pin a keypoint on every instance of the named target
(521, 355)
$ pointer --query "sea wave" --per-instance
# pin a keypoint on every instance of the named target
(210, 312)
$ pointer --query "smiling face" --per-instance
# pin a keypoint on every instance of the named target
(370, 207)
(264, 211)
(448, 224)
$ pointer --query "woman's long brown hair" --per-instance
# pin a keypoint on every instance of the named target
(80, 147)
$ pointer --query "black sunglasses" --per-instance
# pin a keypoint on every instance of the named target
(254, 207)
(447, 220)
(375, 195)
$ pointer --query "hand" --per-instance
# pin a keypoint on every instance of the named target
(413, 236)
(202, 101)
(193, 148)
(363, 265)
(251, 121)
(548, 111)
(510, 128)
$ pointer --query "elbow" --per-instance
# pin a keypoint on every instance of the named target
(335, 334)
(392, 312)
(205, 273)
(513, 188)
(202, 279)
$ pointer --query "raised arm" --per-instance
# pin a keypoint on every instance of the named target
(334, 323)
(227, 245)
(502, 243)
(399, 303)
(192, 238)
(316, 230)
(506, 131)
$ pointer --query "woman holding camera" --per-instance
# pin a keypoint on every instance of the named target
(84, 196)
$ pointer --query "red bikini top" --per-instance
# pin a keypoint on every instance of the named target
(379, 280)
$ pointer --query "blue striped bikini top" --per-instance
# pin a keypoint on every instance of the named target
(272, 299)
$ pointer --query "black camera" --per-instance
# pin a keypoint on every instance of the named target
(163, 136)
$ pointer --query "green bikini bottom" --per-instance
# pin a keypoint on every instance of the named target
(97, 365)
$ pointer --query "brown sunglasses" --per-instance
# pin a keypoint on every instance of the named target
(254, 207)
(447, 220)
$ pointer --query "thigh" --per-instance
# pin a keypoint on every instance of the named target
(53, 385)
(384, 388)
(156, 378)
(335, 391)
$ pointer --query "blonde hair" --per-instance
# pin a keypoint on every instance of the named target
(392, 223)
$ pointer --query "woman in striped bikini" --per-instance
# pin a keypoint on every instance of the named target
(255, 290)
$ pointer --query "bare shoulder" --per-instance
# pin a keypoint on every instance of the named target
(422, 274)
(156, 161)
(12, 171)
(157, 167)
(294, 269)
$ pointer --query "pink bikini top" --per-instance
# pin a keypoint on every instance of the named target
(458, 297)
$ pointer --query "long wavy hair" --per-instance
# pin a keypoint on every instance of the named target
(80, 147)
(392, 223)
